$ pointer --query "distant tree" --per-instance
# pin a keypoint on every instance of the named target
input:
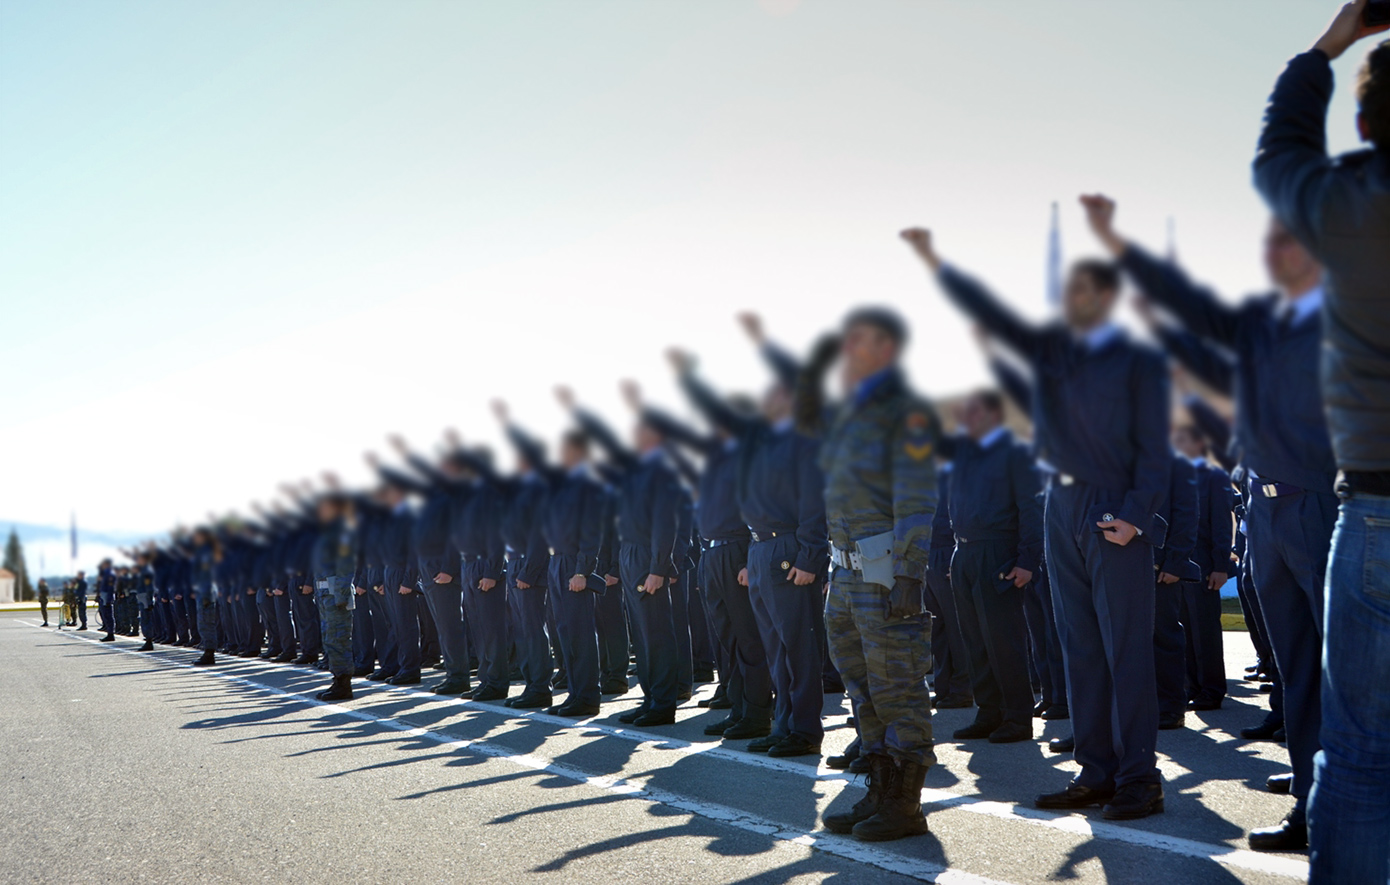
(14, 561)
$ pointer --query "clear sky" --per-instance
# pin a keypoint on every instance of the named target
(242, 241)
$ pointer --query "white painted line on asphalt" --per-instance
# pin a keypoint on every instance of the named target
(839, 846)
(1225, 855)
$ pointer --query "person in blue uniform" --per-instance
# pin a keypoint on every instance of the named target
(1287, 454)
(1101, 412)
(528, 567)
(997, 523)
(649, 494)
(206, 554)
(1173, 567)
(725, 537)
(573, 523)
(477, 517)
(950, 663)
(106, 599)
(1201, 601)
(782, 500)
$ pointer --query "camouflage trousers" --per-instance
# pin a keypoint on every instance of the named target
(884, 665)
(335, 619)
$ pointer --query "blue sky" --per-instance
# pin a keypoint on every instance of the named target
(242, 241)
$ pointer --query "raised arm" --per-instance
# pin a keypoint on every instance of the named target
(1215, 368)
(975, 300)
(1292, 169)
(1196, 307)
(709, 403)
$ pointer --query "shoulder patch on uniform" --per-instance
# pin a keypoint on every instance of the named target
(918, 426)
(917, 423)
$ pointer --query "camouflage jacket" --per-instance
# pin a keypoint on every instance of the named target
(879, 471)
(335, 559)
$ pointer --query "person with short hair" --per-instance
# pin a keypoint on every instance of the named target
(1339, 209)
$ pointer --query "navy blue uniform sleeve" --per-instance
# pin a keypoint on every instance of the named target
(684, 466)
(1197, 307)
(1153, 463)
(603, 435)
(1182, 522)
(978, 302)
(714, 408)
(1016, 386)
(1216, 369)
(785, 366)
(425, 468)
(812, 534)
(1292, 169)
(678, 431)
(665, 520)
(1221, 505)
(1026, 485)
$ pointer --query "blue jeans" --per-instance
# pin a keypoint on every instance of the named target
(1349, 809)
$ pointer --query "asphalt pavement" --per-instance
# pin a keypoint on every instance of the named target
(132, 767)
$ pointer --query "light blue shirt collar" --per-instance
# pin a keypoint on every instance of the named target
(1304, 306)
(783, 425)
(992, 437)
(1100, 336)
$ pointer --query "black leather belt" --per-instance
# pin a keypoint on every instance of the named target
(759, 537)
(1351, 483)
(720, 542)
(1275, 489)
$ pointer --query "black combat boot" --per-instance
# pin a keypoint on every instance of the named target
(881, 770)
(207, 660)
(148, 646)
(900, 813)
(340, 690)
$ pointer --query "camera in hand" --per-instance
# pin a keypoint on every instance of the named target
(1377, 12)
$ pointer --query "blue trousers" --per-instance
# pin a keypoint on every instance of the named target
(106, 609)
(681, 592)
(1206, 658)
(1349, 807)
(363, 637)
(749, 686)
(265, 606)
(487, 614)
(1045, 638)
(403, 609)
(614, 648)
(653, 631)
(951, 665)
(1289, 540)
(306, 622)
(576, 630)
(1104, 597)
(189, 604)
(995, 633)
(446, 602)
(1170, 649)
(787, 616)
(383, 633)
(529, 634)
(284, 620)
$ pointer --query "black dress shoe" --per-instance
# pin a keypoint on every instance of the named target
(381, 676)
(656, 717)
(1265, 731)
(975, 731)
(82, 628)
(1171, 721)
(614, 686)
(1057, 711)
(1062, 745)
(209, 659)
(1133, 801)
(704, 677)
(631, 715)
(1291, 834)
(1011, 732)
(574, 711)
(1279, 783)
(1266, 688)
(529, 702)
(1202, 705)
(148, 646)
(1039, 707)
(765, 743)
(451, 686)
(747, 730)
(952, 703)
(109, 637)
(286, 658)
(484, 695)
(794, 745)
(1074, 796)
(405, 679)
(362, 672)
(715, 729)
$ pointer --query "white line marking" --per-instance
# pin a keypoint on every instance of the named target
(839, 846)
(1076, 824)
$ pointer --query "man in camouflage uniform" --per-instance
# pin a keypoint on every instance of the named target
(880, 497)
(335, 562)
